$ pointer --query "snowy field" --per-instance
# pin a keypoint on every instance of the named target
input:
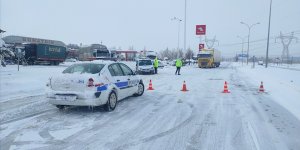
(166, 118)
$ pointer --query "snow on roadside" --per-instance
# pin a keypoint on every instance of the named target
(282, 85)
(286, 66)
(29, 81)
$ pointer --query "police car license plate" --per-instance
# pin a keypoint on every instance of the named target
(66, 97)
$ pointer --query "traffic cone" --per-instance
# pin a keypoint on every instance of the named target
(261, 88)
(225, 88)
(150, 86)
(184, 89)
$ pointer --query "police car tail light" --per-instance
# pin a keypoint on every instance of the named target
(90, 82)
(99, 84)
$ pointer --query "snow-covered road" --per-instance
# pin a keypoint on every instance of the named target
(166, 118)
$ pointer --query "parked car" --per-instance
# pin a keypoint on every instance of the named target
(161, 64)
(93, 84)
(144, 66)
(260, 62)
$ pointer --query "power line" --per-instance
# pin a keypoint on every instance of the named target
(211, 42)
(284, 38)
(259, 40)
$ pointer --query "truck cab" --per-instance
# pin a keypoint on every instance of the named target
(208, 58)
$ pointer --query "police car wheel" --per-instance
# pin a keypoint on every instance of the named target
(111, 102)
(141, 89)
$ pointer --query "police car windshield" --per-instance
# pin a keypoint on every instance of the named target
(145, 62)
(84, 68)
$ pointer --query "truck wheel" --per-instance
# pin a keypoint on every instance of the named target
(112, 101)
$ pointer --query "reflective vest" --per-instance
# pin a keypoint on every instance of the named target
(178, 63)
(155, 64)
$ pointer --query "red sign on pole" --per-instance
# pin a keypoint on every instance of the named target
(201, 46)
(200, 29)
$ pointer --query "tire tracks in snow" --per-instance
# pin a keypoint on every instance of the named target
(162, 134)
(268, 125)
(109, 120)
(31, 106)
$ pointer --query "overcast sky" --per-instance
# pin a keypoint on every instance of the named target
(147, 23)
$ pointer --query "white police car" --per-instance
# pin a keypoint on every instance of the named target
(93, 84)
(144, 66)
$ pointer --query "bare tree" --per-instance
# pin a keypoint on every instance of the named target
(189, 54)
(180, 53)
(172, 54)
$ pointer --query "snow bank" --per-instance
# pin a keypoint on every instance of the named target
(29, 81)
(283, 85)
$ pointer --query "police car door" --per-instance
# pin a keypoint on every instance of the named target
(131, 78)
(119, 80)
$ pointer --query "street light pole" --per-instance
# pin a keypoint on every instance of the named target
(267, 53)
(178, 38)
(243, 40)
(249, 29)
(184, 45)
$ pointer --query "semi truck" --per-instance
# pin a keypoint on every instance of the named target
(209, 58)
(95, 52)
(44, 54)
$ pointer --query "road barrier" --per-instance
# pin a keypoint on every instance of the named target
(261, 87)
(150, 86)
(184, 89)
(226, 88)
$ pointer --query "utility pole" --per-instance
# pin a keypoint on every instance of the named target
(210, 42)
(184, 45)
(267, 53)
(200, 39)
(285, 51)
